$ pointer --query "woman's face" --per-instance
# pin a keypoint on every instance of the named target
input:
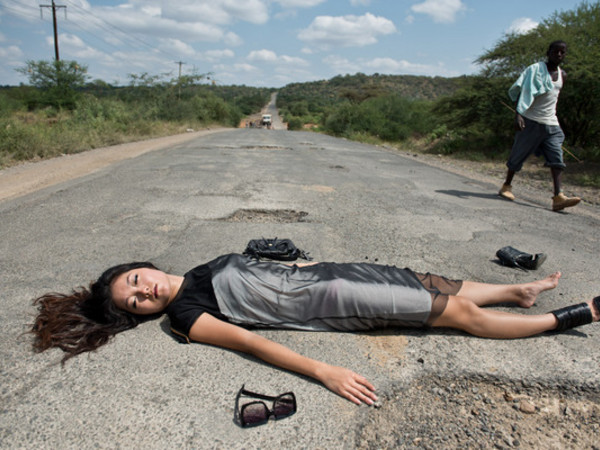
(142, 291)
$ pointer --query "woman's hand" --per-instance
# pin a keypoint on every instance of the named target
(348, 384)
(344, 382)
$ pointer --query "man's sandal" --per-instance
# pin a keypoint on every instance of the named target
(575, 315)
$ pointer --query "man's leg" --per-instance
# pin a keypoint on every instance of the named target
(506, 189)
(560, 201)
(553, 153)
(556, 179)
(509, 176)
(525, 143)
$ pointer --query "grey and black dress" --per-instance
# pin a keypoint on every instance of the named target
(318, 297)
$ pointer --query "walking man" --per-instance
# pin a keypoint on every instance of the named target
(538, 130)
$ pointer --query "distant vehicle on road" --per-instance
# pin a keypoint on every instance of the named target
(266, 120)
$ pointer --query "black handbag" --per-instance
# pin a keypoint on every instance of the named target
(278, 249)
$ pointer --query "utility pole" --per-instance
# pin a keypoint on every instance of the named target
(181, 63)
(54, 7)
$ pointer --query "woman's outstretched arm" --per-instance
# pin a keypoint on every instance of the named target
(210, 330)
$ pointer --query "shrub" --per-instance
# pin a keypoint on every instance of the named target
(295, 123)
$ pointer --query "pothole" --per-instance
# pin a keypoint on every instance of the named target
(264, 147)
(267, 216)
(474, 413)
(338, 167)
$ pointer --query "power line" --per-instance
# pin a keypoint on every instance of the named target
(28, 12)
(103, 24)
(93, 21)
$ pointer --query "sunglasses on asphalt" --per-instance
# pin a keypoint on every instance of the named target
(258, 413)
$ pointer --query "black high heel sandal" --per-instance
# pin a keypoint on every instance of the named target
(574, 315)
(511, 257)
(596, 302)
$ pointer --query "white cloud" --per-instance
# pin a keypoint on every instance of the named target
(385, 65)
(443, 11)
(155, 11)
(346, 31)
(232, 39)
(186, 20)
(339, 64)
(141, 62)
(142, 26)
(268, 56)
(284, 76)
(293, 60)
(286, 14)
(10, 52)
(241, 67)
(216, 55)
(219, 12)
(399, 67)
(177, 47)
(522, 25)
(262, 55)
(299, 3)
(75, 47)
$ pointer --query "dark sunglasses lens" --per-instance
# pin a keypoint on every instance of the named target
(285, 405)
(254, 414)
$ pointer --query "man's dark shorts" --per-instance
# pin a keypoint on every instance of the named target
(545, 140)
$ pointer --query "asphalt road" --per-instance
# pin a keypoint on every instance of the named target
(271, 108)
(339, 200)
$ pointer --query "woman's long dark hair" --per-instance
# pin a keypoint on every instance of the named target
(85, 319)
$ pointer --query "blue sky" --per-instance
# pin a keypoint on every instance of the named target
(263, 42)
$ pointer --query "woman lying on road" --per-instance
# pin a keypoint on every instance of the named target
(212, 302)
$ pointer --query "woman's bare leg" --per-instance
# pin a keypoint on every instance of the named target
(463, 314)
(523, 294)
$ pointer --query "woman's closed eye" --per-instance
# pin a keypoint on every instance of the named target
(134, 299)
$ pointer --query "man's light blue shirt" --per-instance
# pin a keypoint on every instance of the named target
(533, 81)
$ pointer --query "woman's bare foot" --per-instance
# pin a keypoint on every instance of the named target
(530, 291)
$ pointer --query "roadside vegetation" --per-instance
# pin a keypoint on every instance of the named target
(60, 112)
(468, 117)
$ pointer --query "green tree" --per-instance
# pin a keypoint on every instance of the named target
(58, 82)
(391, 118)
(478, 106)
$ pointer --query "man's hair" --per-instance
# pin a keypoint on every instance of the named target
(556, 44)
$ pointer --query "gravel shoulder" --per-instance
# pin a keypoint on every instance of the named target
(533, 183)
(470, 413)
(32, 176)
